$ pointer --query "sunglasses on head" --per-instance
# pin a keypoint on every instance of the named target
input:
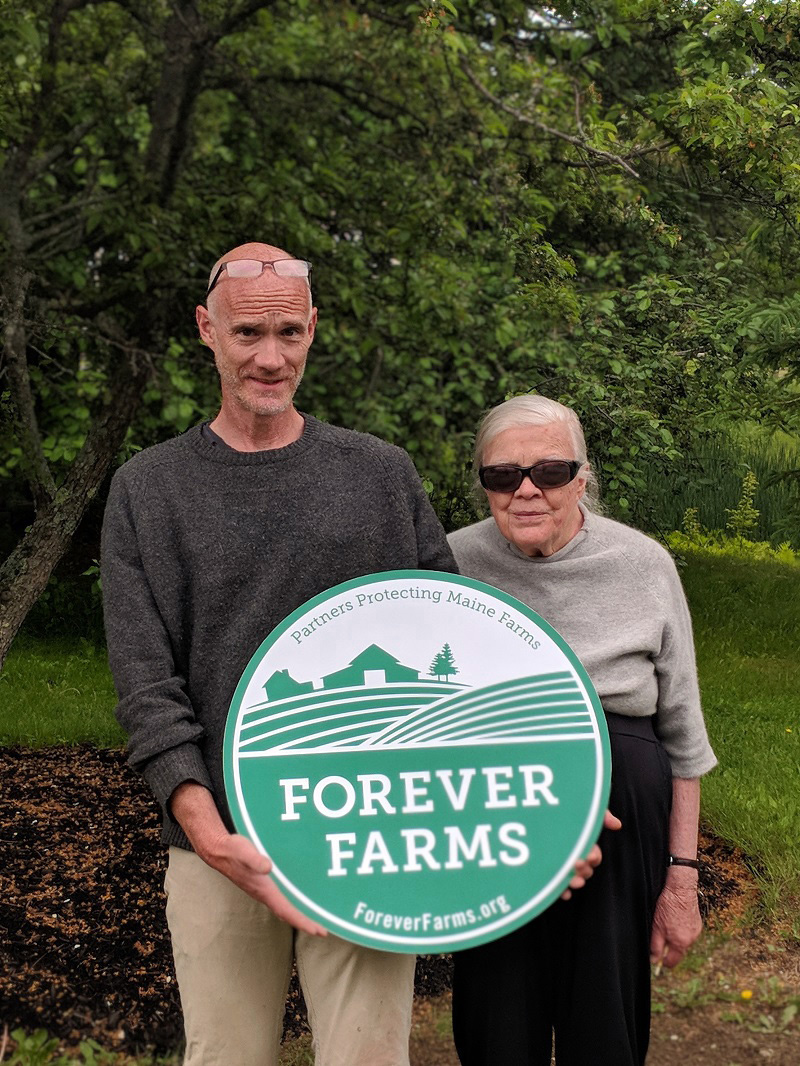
(254, 268)
(549, 474)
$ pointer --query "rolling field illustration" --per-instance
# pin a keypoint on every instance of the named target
(352, 712)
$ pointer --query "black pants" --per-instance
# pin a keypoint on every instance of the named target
(582, 967)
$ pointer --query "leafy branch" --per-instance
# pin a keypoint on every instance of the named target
(579, 140)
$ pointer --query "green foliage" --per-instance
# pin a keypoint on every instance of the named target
(709, 481)
(672, 270)
(717, 543)
(774, 1023)
(743, 518)
(768, 1007)
(597, 202)
(746, 617)
(69, 603)
(451, 242)
(735, 545)
(39, 1049)
(34, 1049)
(57, 691)
(691, 525)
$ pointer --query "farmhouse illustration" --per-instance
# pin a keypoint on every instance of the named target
(378, 702)
(373, 666)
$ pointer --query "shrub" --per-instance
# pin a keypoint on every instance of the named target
(715, 542)
(743, 518)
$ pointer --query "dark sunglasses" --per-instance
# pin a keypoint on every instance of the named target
(550, 474)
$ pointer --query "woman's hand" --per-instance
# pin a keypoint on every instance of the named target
(677, 922)
(584, 868)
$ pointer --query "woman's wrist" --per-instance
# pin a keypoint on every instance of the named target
(682, 877)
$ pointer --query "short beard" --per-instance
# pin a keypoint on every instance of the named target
(237, 388)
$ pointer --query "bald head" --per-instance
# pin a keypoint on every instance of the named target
(253, 250)
(224, 287)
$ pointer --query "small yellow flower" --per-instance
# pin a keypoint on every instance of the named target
(747, 993)
(788, 730)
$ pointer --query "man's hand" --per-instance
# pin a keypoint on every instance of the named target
(232, 855)
(677, 922)
(239, 860)
(584, 868)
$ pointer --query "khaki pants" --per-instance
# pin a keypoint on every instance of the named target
(233, 961)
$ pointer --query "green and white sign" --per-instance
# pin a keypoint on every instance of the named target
(423, 758)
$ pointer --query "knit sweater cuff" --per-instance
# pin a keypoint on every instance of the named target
(166, 771)
(696, 765)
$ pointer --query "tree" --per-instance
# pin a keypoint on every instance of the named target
(443, 664)
(681, 308)
(596, 200)
(90, 173)
(134, 150)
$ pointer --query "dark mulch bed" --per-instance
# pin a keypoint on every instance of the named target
(84, 950)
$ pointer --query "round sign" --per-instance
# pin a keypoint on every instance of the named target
(422, 757)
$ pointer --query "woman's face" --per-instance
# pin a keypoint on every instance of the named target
(537, 521)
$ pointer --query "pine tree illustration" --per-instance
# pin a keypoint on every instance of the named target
(443, 664)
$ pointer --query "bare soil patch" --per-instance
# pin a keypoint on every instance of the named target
(84, 950)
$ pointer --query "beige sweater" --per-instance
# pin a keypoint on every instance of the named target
(615, 596)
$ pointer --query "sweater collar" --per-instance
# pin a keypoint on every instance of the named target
(210, 446)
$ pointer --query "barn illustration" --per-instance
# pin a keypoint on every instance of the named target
(372, 666)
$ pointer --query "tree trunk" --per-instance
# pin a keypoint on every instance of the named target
(27, 570)
(15, 343)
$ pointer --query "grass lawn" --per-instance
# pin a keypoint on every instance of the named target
(57, 691)
(747, 630)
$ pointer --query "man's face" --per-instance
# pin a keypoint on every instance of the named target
(260, 330)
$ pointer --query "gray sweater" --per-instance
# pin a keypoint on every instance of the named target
(616, 598)
(205, 550)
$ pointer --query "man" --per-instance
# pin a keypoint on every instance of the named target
(209, 541)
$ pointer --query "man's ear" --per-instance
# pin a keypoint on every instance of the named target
(312, 325)
(204, 325)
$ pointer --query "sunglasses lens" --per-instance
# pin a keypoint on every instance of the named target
(244, 268)
(552, 475)
(501, 478)
(291, 268)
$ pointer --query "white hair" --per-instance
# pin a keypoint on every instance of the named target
(534, 410)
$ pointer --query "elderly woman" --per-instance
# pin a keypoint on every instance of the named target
(582, 968)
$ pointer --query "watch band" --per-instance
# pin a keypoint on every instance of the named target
(675, 860)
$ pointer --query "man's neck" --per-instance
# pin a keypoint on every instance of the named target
(246, 432)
